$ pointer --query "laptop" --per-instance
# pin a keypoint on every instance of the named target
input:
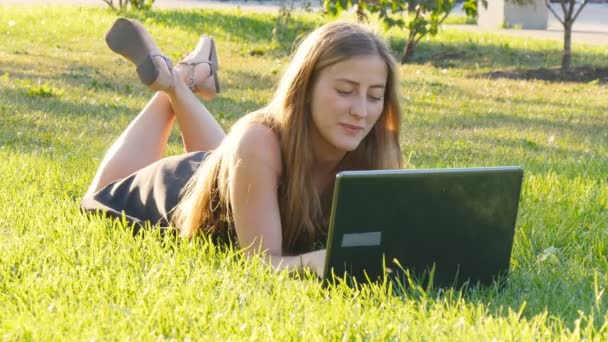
(445, 227)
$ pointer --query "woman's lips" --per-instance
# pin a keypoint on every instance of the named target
(353, 129)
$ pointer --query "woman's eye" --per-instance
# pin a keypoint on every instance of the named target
(375, 98)
(344, 92)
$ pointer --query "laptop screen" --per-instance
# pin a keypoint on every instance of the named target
(457, 224)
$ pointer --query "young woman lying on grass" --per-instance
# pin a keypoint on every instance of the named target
(268, 183)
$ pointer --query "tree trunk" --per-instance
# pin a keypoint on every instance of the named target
(567, 55)
(408, 51)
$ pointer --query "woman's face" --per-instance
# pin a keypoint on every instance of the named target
(347, 100)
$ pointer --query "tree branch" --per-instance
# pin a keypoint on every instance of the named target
(563, 4)
(416, 18)
(444, 17)
(111, 3)
(554, 13)
(579, 10)
(571, 9)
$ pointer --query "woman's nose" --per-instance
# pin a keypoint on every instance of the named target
(359, 106)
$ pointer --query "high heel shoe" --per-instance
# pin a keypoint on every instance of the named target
(203, 53)
(130, 39)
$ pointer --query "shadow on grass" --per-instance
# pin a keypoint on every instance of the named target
(534, 293)
(471, 143)
(594, 126)
(544, 158)
(72, 74)
(89, 79)
(252, 80)
(252, 28)
(35, 133)
(582, 74)
(20, 100)
(230, 110)
(510, 62)
(533, 158)
(471, 55)
(39, 122)
(528, 292)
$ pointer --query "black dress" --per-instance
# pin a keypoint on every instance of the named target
(148, 195)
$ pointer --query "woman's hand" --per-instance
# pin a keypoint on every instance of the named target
(315, 261)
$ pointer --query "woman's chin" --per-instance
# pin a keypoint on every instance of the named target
(348, 145)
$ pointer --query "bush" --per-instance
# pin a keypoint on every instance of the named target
(133, 4)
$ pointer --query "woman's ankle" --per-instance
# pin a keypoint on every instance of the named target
(179, 88)
(191, 75)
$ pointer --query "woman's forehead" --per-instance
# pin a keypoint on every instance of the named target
(368, 69)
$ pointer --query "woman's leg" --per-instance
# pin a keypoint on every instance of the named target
(200, 131)
(145, 139)
(142, 143)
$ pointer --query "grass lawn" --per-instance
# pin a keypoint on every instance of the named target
(64, 97)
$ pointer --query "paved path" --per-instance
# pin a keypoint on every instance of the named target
(591, 27)
(265, 6)
(554, 33)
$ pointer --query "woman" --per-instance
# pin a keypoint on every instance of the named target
(268, 184)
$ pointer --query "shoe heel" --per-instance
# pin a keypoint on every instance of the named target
(214, 66)
(130, 39)
(156, 73)
(114, 38)
(148, 70)
(124, 39)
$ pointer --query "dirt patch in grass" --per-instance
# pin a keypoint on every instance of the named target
(582, 74)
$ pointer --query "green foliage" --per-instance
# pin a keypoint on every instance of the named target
(284, 18)
(390, 11)
(44, 90)
(132, 4)
(471, 7)
(426, 19)
(40, 89)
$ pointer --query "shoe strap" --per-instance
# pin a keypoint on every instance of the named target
(193, 65)
(167, 60)
(169, 63)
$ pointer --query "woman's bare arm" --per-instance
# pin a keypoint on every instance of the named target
(313, 261)
(255, 170)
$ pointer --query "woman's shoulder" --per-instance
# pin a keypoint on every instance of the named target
(256, 142)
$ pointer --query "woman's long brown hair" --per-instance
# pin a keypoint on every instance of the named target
(206, 202)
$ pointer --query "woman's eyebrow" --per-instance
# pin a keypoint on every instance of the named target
(382, 86)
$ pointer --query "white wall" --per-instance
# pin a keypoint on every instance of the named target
(503, 13)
